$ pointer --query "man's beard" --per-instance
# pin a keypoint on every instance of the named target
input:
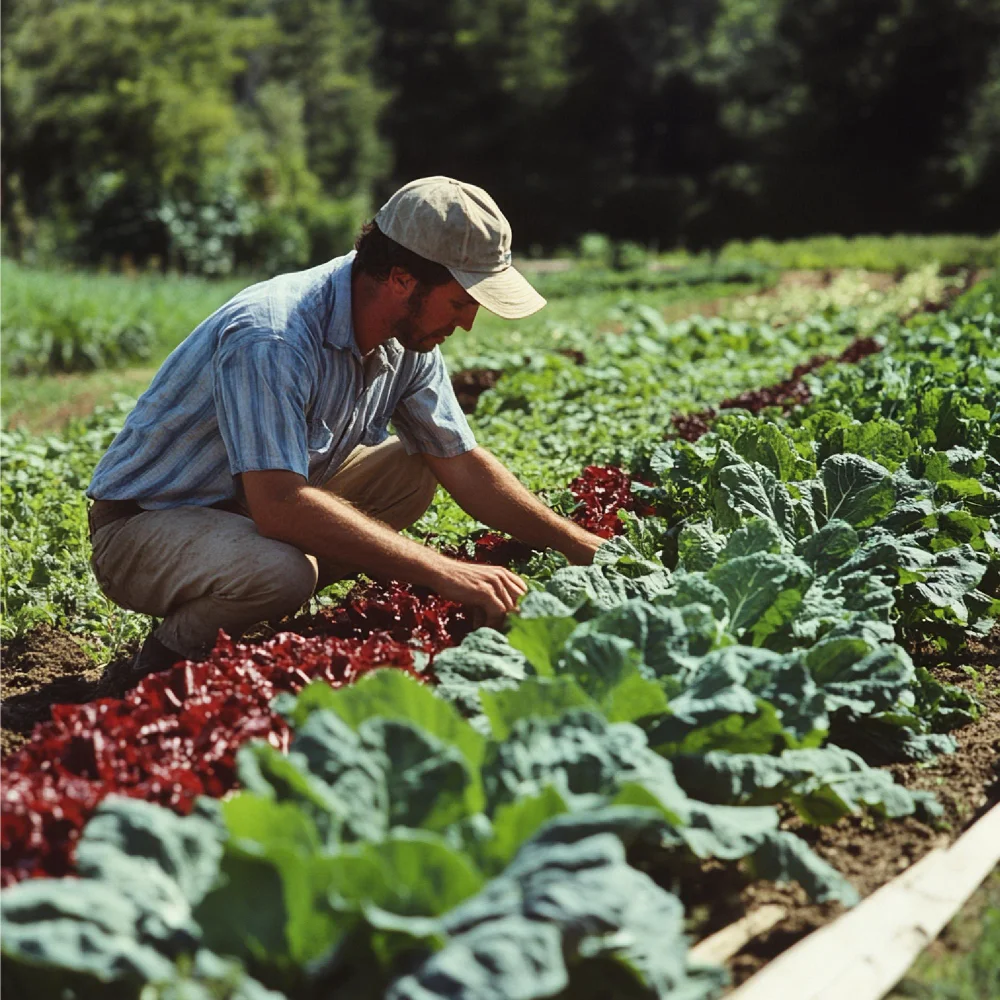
(408, 333)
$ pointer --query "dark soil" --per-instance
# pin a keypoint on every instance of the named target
(470, 384)
(46, 667)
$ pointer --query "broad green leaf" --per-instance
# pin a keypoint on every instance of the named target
(829, 547)
(411, 873)
(763, 591)
(394, 694)
(428, 782)
(633, 697)
(751, 734)
(75, 934)
(765, 444)
(541, 697)
(858, 491)
(541, 640)
(516, 822)
(783, 857)
(507, 957)
(750, 490)
(698, 546)
(756, 535)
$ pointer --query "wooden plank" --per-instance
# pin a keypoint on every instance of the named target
(864, 953)
(721, 946)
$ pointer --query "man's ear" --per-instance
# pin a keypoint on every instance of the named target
(401, 283)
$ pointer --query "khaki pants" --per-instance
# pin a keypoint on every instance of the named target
(201, 569)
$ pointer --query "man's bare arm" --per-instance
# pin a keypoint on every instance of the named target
(483, 487)
(285, 507)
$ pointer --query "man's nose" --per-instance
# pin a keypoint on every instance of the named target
(472, 318)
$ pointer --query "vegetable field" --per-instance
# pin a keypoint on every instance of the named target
(777, 684)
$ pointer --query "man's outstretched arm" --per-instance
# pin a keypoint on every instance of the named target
(285, 507)
(484, 488)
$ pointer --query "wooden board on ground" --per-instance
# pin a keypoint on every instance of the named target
(721, 946)
(864, 953)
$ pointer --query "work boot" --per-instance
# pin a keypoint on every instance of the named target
(153, 656)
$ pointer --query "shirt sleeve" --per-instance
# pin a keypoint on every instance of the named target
(428, 418)
(261, 390)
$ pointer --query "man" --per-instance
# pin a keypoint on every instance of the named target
(258, 463)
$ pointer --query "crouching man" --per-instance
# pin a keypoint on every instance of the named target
(258, 465)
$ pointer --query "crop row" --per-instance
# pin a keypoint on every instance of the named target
(511, 831)
(574, 414)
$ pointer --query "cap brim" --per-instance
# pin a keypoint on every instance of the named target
(506, 293)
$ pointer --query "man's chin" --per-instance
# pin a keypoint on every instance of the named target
(422, 346)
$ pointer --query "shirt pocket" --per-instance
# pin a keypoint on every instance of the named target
(375, 419)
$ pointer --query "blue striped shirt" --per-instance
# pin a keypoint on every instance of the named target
(274, 380)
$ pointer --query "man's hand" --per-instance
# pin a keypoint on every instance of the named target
(482, 487)
(493, 590)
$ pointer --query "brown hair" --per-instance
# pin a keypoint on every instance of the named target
(377, 255)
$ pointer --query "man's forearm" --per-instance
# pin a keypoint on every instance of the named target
(490, 493)
(332, 530)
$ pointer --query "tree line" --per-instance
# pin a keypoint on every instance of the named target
(215, 135)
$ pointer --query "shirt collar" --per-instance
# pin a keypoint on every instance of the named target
(340, 332)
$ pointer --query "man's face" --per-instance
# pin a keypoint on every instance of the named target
(435, 316)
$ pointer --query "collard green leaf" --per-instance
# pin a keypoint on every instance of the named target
(765, 444)
(393, 694)
(755, 536)
(412, 873)
(783, 857)
(484, 661)
(510, 957)
(265, 772)
(164, 862)
(866, 686)
(603, 909)
(75, 935)
(750, 490)
(541, 640)
(698, 546)
(669, 639)
(543, 697)
(858, 491)
(821, 784)
(429, 782)
(946, 578)
(584, 758)
(747, 733)
(727, 832)
(763, 591)
(695, 588)
(829, 548)
(516, 822)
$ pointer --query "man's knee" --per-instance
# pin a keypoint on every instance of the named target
(421, 485)
(279, 580)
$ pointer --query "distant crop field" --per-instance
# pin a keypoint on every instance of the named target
(63, 321)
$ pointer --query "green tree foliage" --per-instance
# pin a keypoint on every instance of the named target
(892, 104)
(151, 129)
(256, 134)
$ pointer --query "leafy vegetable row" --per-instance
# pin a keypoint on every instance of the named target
(175, 736)
(641, 714)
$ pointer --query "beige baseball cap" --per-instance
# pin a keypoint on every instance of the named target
(460, 226)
